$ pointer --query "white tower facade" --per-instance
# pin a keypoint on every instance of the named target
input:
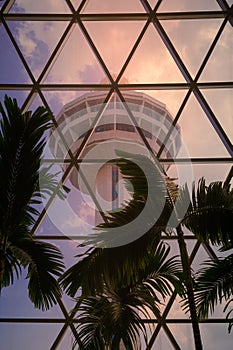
(96, 138)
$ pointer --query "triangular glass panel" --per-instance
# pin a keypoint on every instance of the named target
(152, 62)
(43, 6)
(76, 3)
(219, 66)
(112, 6)
(184, 335)
(152, 116)
(10, 306)
(37, 40)
(220, 101)
(152, 3)
(200, 33)
(14, 71)
(76, 63)
(198, 134)
(39, 336)
(107, 36)
(162, 341)
(188, 5)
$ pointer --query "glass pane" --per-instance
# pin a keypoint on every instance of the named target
(43, 6)
(198, 133)
(80, 62)
(200, 33)
(79, 57)
(219, 66)
(217, 336)
(14, 71)
(111, 6)
(221, 104)
(28, 336)
(183, 335)
(15, 302)
(152, 62)
(37, 41)
(188, 5)
(107, 36)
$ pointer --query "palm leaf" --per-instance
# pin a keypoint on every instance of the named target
(213, 284)
(115, 269)
(44, 263)
(162, 274)
(113, 319)
(210, 216)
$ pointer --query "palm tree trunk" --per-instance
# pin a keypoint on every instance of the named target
(189, 288)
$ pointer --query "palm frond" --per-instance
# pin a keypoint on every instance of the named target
(108, 320)
(44, 263)
(91, 322)
(162, 274)
(111, 266)
(142, 172)
(213, 284)
(210, 216)
(12, 268)
(116, 269)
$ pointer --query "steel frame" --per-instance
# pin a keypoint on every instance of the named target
(37, 86)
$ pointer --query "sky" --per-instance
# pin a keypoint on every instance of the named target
(151, 63)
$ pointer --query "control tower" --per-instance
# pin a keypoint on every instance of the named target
(98, 137)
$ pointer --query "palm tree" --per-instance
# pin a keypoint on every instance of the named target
(135, 273)
(198, 213)
(21, 147)
(114, 317)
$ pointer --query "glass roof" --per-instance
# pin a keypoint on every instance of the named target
(67, 52)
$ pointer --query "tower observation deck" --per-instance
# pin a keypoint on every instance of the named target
(96, 138)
